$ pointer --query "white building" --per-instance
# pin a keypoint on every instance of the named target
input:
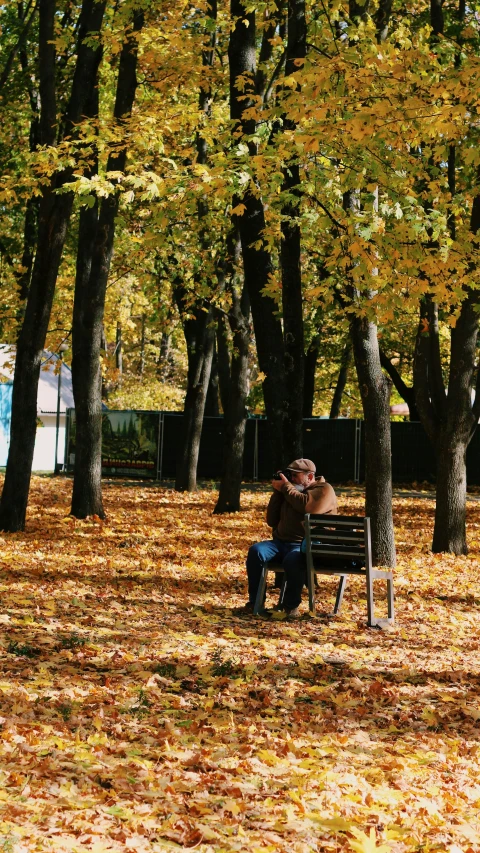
(50, 380)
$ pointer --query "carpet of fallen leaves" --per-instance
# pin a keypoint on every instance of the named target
(138, 712)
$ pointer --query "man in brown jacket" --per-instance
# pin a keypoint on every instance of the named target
(291, 499)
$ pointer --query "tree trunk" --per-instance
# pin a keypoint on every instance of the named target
(89, 304)
(141, 363)
(119, 350)
(311, 359)
(235, 417)
(212, 408)
(341, 382)
(292, 304)
(449, 533)
(257, 262)
(235, 413)
(223, 355)
(375, 393)
(407, 394)
(54, 215)
(199, 336)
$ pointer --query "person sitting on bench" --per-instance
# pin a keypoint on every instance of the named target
(296, 491)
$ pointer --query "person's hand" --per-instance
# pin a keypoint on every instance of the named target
(278, 484)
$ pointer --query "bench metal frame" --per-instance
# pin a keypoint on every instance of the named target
(271, 566)
(345, 536)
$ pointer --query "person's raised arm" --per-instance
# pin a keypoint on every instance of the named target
(274, 507)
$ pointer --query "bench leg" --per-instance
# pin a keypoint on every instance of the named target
(340, 590)
(391, 609)
(370, 611)
(311, 590)
(282, 591)
(262, 586)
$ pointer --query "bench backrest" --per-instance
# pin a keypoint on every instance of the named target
(339, 537)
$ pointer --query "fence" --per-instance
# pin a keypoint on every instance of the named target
(147, 445)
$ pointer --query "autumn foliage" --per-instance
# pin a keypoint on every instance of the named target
(139, 712)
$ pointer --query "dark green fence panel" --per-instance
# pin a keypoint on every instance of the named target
(148, 444)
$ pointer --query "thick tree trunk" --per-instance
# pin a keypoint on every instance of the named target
(90, 290)
(341, 382)
(54, 215)
(290, 249)
(449, 533)
(375, 393)
(311, 358)
(199, 337)
(455, 434)
(86, 379)
(257, 262)
(235, 413)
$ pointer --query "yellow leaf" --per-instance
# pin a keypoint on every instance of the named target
(367, 843)
(239, 210)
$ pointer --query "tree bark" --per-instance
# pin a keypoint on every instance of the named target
(375, 393)
(341, 382)
(199, 336)
(257, 262)
(311, 359)
(89, 304)
(292, 303)
(54, 215)
(223, 354)
(212, 407)
(235, 412)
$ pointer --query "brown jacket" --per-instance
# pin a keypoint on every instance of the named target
(288, 506)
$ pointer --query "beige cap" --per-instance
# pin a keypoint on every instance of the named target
(302, 465)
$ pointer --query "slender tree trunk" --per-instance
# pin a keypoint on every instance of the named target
(199, 336)
(311, 359)
(406, 393)
(257, 262)
(235, 413)
(235, 417)
(341, 382)
(375, 393)
(141, 364)
(212, 408)
(54, 215)
(223, 354)
(90, 290)
(290, 249)
(119, 350)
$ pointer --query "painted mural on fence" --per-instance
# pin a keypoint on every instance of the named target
(129, 443)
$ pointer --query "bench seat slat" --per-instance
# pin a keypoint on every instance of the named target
(338, 552)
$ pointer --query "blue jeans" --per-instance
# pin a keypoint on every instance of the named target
(292, 560)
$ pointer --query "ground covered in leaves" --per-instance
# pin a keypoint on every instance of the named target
(139, 713)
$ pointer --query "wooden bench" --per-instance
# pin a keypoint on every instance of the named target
(342, 540)
(341, 545)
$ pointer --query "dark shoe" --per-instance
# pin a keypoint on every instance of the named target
(246, 610)
(293, 615)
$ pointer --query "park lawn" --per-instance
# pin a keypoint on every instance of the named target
(139, 713)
